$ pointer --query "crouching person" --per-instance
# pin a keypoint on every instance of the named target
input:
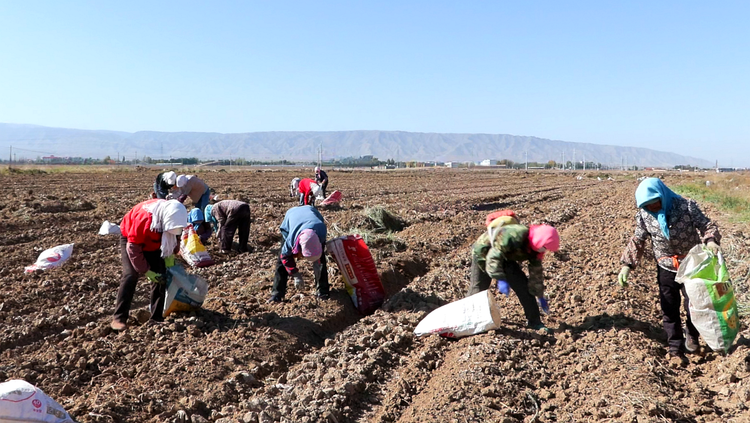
(191, 186)
(149, 241)
(202, 228)
(496, 256)
(303, 234)
(230, 216)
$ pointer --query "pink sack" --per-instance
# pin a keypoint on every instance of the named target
(334, 198)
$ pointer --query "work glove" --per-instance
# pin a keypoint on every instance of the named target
(155, 277)
(169, 261)
(713, 247)
(503, 287)
(543, 304)
(622, 278)
(299, 282)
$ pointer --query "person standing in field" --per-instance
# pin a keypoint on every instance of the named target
(164, 183)
(496, 257)
(230, 216)
(150, 232)
(193, 187)
(321, 178)
(303, 234)
(675, 225)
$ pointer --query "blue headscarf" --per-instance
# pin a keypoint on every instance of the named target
(652, 189)
(196, 215)
(210, 217)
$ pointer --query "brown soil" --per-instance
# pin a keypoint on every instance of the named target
(242, 360)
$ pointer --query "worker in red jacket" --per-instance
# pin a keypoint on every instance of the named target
(149, 241)
(306, 189)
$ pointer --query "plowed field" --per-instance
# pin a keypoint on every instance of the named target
(242, 360)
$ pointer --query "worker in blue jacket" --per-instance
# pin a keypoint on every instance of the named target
(303, 233)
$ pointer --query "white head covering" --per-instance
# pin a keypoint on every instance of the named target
(317, 169)
(181, 181)
(170, 177)
(165, 216)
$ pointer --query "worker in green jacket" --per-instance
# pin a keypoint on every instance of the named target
(496, 257)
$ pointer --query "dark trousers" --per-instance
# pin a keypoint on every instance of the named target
(281, 277)
(671, 294)
(237, 219)
(323, 187)
(518, 282)
(129, 282)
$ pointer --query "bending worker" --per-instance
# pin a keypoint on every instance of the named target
(149, 241)
(673, 223)
(497, 254)
(164, 182)
(230, 216)
(303, 233)
(193, 187)
(305, 188)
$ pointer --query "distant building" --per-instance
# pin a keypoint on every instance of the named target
(488, 162)
(450, 165)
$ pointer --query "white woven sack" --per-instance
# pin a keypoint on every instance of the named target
(469, 316)
(21, 401)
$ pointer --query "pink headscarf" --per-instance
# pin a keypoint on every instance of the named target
(310, 245)
(543, 236)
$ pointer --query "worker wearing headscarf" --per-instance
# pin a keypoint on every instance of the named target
(191, 186)
(165, 181)
(303, 233)
(497, 254)
(673, 223)
(306, 189)
(149, 241)
(230, 216)
(202, 228)
(321, 178)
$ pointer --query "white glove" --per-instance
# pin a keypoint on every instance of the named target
(299, 283)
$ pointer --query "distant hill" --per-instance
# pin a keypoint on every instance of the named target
(31, 141)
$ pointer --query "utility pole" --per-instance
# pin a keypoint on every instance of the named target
(574, 159)
(563, 163)
(527, 159)
(584, 162)
(10, 158)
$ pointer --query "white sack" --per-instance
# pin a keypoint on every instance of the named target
(53, 257)
(108, 228)
(469, 316)
(21, 401)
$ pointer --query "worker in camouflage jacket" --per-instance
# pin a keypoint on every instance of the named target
(496, 257)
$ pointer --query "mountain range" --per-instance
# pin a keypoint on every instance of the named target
(32, 141)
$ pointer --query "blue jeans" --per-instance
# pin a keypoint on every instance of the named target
(203, 202)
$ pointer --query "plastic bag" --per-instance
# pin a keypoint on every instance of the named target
(469, 316)
(185, 292)
(360, 273)
(317, 191)
(108, 228)
(21, 401)
(192, 249)
(713, 307)
(53, 257)
(334, 198)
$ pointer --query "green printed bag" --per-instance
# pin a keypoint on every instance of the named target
(713, 308)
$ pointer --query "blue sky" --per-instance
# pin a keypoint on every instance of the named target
(671, 75)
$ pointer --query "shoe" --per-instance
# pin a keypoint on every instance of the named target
(678, 359)
(691, 343)
(117, 325)
(274, 299)
(540, 326)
